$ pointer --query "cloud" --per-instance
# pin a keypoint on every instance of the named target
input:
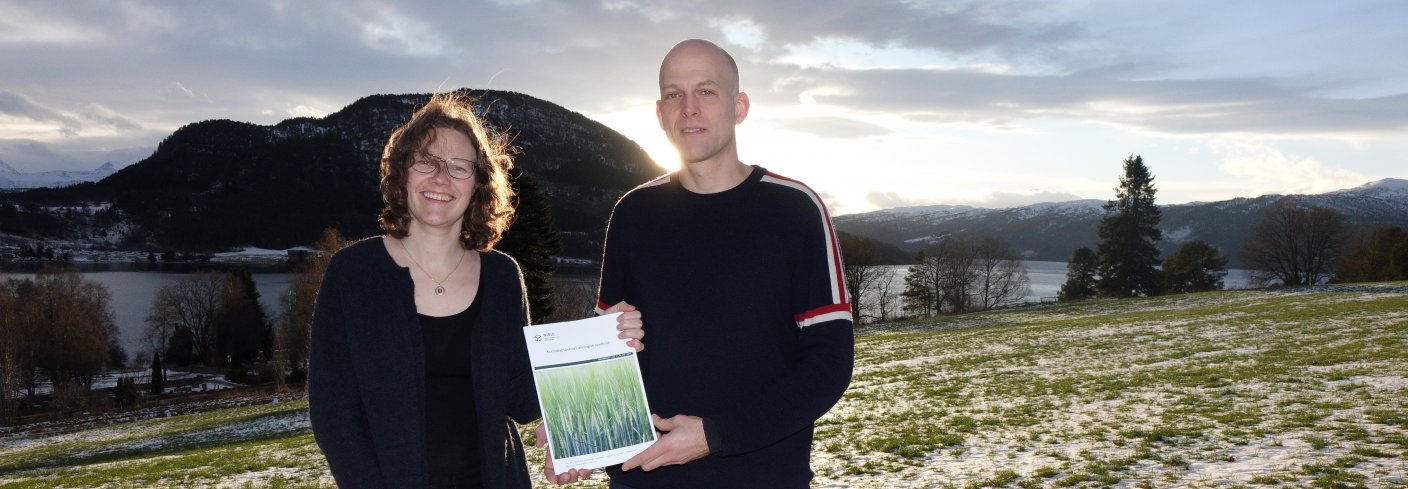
(1165, 106)
(1268, 170)
(178, 90)
(1005, 200)
(950, 67)
(994, 200)
(105, 116)
(834, 206)
(23, 109)
(24, 26)
(831, 127)
(28, 155)
(91, 118)
(890, 200)
(14, 104)
(398, 33)
(306, 111)
(940, 26)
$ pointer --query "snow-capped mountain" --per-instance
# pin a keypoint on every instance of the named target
(1051, 231)
(12, 179)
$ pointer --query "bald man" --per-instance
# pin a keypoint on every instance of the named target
(737, 275)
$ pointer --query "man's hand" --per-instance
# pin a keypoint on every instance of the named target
(541, 433)
(682, 442)
(629, 324)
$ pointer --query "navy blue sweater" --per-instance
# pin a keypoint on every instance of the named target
(743, 301)
(366, 372)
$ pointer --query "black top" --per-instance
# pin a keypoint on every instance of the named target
(450, 432)
(366, 372)
(758, 261)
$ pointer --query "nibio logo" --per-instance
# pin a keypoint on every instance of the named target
(544, 337)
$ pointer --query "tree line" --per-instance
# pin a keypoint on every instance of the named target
(54, 327)
(57, 329)
(1292, 244)
(954, 274)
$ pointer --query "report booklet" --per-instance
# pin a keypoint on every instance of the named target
(590, 392)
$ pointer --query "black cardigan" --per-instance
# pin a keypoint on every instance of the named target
(366, 372)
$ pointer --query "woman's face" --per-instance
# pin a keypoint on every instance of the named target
(436, 199)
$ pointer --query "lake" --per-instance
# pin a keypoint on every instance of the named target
(133, 291)
(1047, 276)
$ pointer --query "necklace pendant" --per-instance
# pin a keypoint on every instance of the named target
(439, 290)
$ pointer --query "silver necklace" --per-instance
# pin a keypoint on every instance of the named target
(439, 288)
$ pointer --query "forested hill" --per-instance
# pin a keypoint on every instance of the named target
(1051, 231)
(220, 184)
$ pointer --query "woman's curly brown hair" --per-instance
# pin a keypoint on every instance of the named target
(490, 208)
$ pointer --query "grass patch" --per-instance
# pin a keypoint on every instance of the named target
(1125, 393)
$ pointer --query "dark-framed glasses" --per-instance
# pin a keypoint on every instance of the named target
(457, 168)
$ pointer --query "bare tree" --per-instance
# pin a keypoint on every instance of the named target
(1001, 277)
(861, 258)
(278, 344)
(571, 299)
(1294, 245)
(886, 300)
(307, 278)
(22, 335)
(956, 274)
(64, 325)
(186, 310)
(10, 348)
(941, 279)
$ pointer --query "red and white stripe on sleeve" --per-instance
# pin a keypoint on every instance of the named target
(839, 308)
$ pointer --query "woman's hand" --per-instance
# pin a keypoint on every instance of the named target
(629, 324)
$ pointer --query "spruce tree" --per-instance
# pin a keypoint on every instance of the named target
(920, 293)
(1195, 267)
(241, 327)
(1080, 276)
(532, 239)
(158, 383)
(1129, 235)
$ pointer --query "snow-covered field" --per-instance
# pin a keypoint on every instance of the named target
(1289, 388)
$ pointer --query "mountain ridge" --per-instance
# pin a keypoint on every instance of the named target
(1051, 231)
(12, 179)
(222, 184)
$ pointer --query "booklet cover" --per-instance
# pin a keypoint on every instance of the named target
(590, 392)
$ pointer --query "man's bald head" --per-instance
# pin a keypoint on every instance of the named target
(700, 48)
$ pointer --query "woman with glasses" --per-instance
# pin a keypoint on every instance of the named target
(418, 371)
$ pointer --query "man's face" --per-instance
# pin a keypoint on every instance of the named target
(698, 105)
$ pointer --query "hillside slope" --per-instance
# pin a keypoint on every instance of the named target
(220, 184)
(1282, 388)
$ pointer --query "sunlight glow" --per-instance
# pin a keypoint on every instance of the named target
(639, 124)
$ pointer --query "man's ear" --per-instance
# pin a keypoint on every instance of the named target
(740, 107)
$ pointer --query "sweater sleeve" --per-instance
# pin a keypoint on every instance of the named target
(825, 356)
(614, 285)
(523, 400)
(334, 403)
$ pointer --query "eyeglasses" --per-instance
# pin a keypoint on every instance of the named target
(458, 168)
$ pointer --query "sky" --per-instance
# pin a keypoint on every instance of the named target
(875, 104)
